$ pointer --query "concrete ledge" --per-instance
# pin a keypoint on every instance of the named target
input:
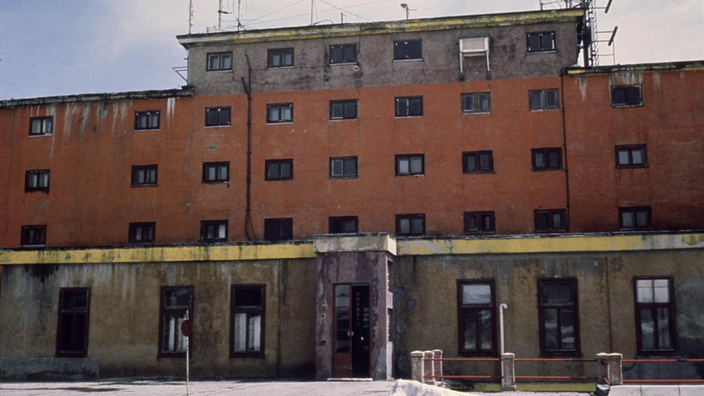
(50, 368)
(656, 390)
(354, 243)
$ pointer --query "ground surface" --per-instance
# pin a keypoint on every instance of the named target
(271, 388)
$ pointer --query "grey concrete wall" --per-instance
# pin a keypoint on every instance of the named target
(124, 318)
(427, 317)
(440, 63)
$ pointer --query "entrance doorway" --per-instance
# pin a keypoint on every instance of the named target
(350, 358)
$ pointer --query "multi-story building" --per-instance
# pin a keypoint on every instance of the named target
(466, 161)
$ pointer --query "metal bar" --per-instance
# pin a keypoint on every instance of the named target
(606, 380)
(555, 377)
(461, 360)
(464, 376)
(661, 360)
(665, 381)
(554, 360)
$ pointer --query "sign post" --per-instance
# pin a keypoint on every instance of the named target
(187, 330)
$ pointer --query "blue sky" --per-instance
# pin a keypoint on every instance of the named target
(61, 47)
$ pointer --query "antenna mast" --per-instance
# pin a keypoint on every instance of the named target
(190, 16)
(220, 12)
(312, 4)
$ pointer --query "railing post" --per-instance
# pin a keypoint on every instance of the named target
(417, 368)
(430, 368)
(438, 364)
(609, 368)
(508, 382)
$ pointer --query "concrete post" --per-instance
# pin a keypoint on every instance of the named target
(438, 355)
(610, 367)
(508, 382)
(417, 368)
(430, 368)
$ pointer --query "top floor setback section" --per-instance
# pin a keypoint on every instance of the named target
(393, 53)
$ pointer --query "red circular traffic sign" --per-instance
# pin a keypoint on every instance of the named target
(187, 328)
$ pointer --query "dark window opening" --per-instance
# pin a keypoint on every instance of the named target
(216, 172)
(550, 220)
(343, 53)
(144, 176)
(479, 223)
(213, 231)
(146, 120)
(142, 232)
(343, 168)
(343, 109)
(36, 180)
(408, 50)
(176, 305)
(626, 96)
(343, 225)
(41, 126)
(410, 225)
(559, 319)
(33, 235)
(544, 41)
(477, 162)
(479, 102)
(278, 229)
(410, 164)
(280, 57)
(217, 116)
(247, 307)
(219, 61)
(547, 159)
(634, 156)
(477, 317)
(655, 315)
(276, 113)
(72, 331)
(279, 170)
(635, 218)
(545, 99)
(409, 106)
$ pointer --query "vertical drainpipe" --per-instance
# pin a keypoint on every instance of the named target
(248, 228)
(563, 71)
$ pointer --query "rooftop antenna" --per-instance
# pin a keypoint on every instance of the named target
(239, 7)
(405, 8)
(312, 4)
(190, 16)
(220, 12)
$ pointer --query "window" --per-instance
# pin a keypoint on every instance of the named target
(479, 102)
(545, 99)
(408, 50)
(410, 225)
(142, 232)
(479, 223)
(626, 96)
(655, 315)
(72, 331)
(36, 180)
(280, 57)
(547, 159)
(278, 229)
(343, 109)
(478, 162)
(634, 218)
(559, 319)
(634, 156)
(276, 113)
(144, 176)
(279, 170)
(477, 312)
(146, 120)
(343, 225)
(33, 235)
(410, 164)
(213, 231)
(219, 61)
(41, 126)
(176, 306)
(343, 168)
(216, 172)
(550, 220)
(343, 53)
(544, 41)
(247, 306)
(217, 116)
(409, 106)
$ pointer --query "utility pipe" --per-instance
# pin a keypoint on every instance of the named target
(501, 331)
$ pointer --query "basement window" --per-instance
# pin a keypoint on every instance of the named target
(479, 223)
(477, 311)
(36, 180)
(544, 99)
(144, 176)
(476, 103)
(478, 162)
(409, 106)
(634, 218)
(279, 170)
(541, 42)
(634, 156)
(655, 315)
(547, 159)
(247, 308)
(39, 126)
(559, 318)
(176, 306)
(410, 49)
(343, 109)
(410, 225)
(343, 225)
(278, 113)
(33, 235)
(626, 96)
(280, 57)
(142, 232)
(219, 61)
(146, 120)
(550, 220)
(410, 164)
(216, 172)
(217, 116)
(213, 231)
(72, 329)
(343, 53)
(278, 229)
(343, 168)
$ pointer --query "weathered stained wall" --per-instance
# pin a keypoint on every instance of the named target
(124, 317)
(427, 316)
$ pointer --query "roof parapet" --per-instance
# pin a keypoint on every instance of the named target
(644, 67)
(98, 97)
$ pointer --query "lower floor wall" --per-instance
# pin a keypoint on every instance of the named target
(571, 305)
